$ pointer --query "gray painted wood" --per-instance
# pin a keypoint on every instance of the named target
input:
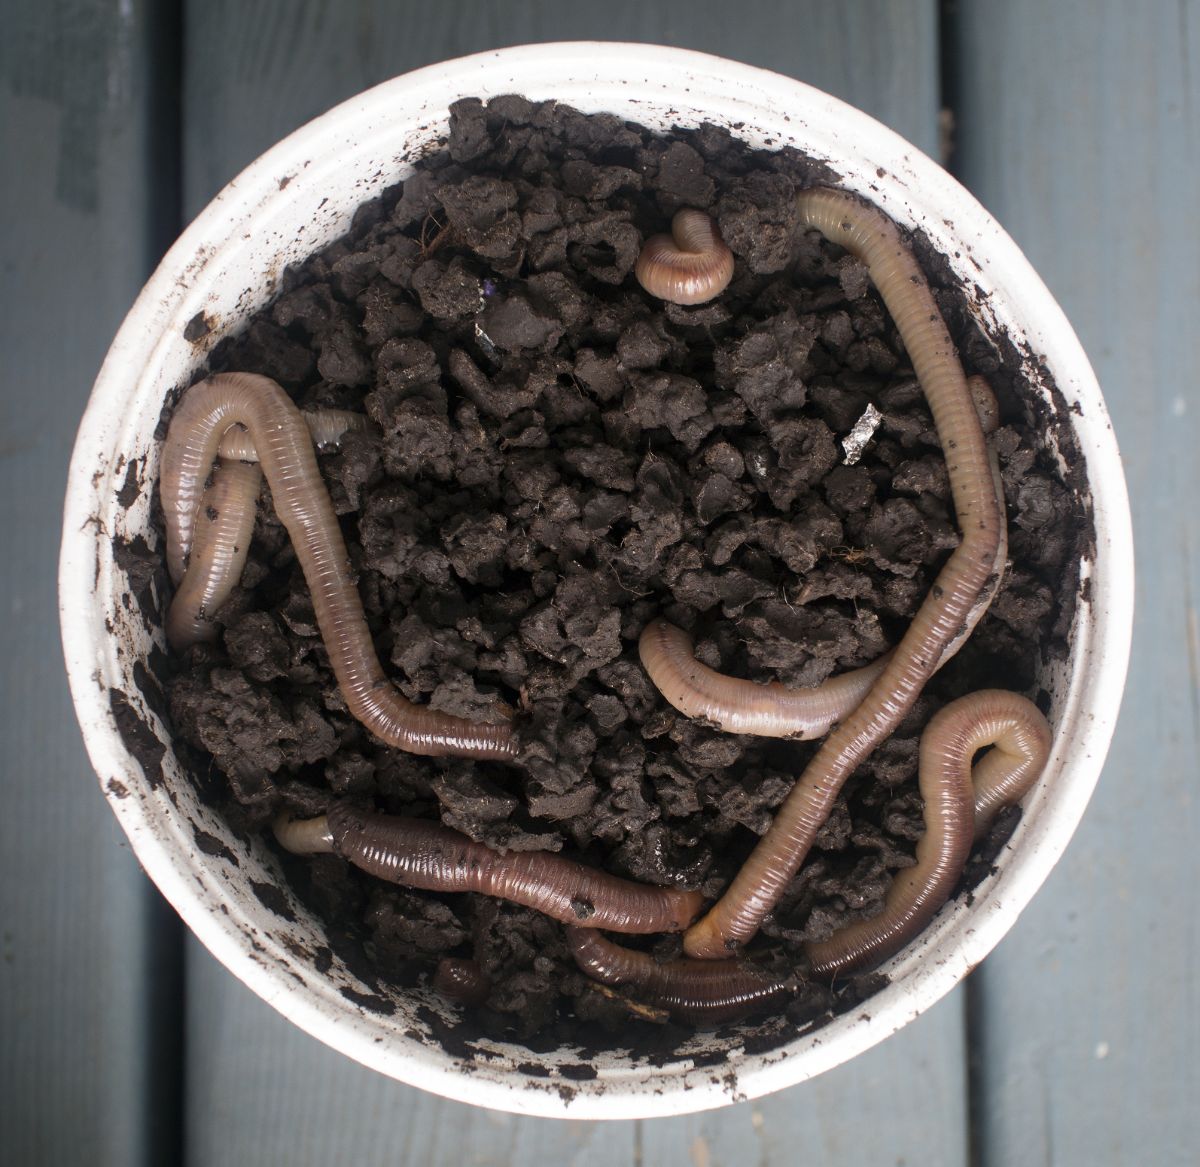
(256, 72)
(1078, 128)
(261, 1092)
(80, 1072)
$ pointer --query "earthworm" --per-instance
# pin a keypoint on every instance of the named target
(462, 980)
(692, 265)
(960, 802)
(181, 494)
(327, 427)
(738, 706)
(224, 522)
(771, 709)
(303, 836)
(421, 854)
(866, 232)
(700, 992)
(285, 451)
(220, 540)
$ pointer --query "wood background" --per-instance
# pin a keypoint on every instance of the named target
(123, 1043)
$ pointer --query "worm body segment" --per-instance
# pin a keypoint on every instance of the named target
(700, 992)
(426, 855)
(284, 445)
(220, 541)
(866, 232)
(692, 265)
(959, 803)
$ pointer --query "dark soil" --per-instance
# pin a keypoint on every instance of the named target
(563, 457)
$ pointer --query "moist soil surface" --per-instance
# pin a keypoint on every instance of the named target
(559, 458)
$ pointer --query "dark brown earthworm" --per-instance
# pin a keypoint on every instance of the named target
(698, 992)
(462, 980)
(285, 450)
(772, 709)
(421, 854)
(866, 232)
(220, 540)
(691, 265)
(959, 804)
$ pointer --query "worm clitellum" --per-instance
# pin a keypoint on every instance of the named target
(284, 445)
(692, 265)
(421, 854)
(700, 992)
(772, 709)
(868, 233)
(959, 804)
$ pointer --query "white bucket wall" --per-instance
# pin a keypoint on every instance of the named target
(301, 195)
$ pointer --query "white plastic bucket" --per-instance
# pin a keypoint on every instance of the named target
(302, 194)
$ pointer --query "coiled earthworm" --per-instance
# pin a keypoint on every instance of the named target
(700, 992)
(692, 265)
(866, 232)
(223, 523)
(960, 802)
(462, 980)
(771, 709)
(285, 451)
(421, 854)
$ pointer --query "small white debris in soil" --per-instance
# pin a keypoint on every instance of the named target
(864, 429)
(485, 341)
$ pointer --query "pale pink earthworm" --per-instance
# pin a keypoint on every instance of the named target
(738, 706)
(181, 489)
(285, 450)
(692, 265)
(421, 854)
(771, 709)
(699, 992)
(220, 539)
(960, 802)
(869, 234)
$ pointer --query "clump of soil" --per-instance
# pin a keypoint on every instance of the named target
(561, 458)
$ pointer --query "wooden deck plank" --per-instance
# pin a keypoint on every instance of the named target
(81, 1078)
(1078, 128)
(255, 73)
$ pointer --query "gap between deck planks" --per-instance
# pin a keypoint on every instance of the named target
(88, 1022)
(260, 1091)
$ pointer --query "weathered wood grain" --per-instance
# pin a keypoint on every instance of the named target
(256, 72)
(258, 1090)
(1078, 129)
(82, 1076)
